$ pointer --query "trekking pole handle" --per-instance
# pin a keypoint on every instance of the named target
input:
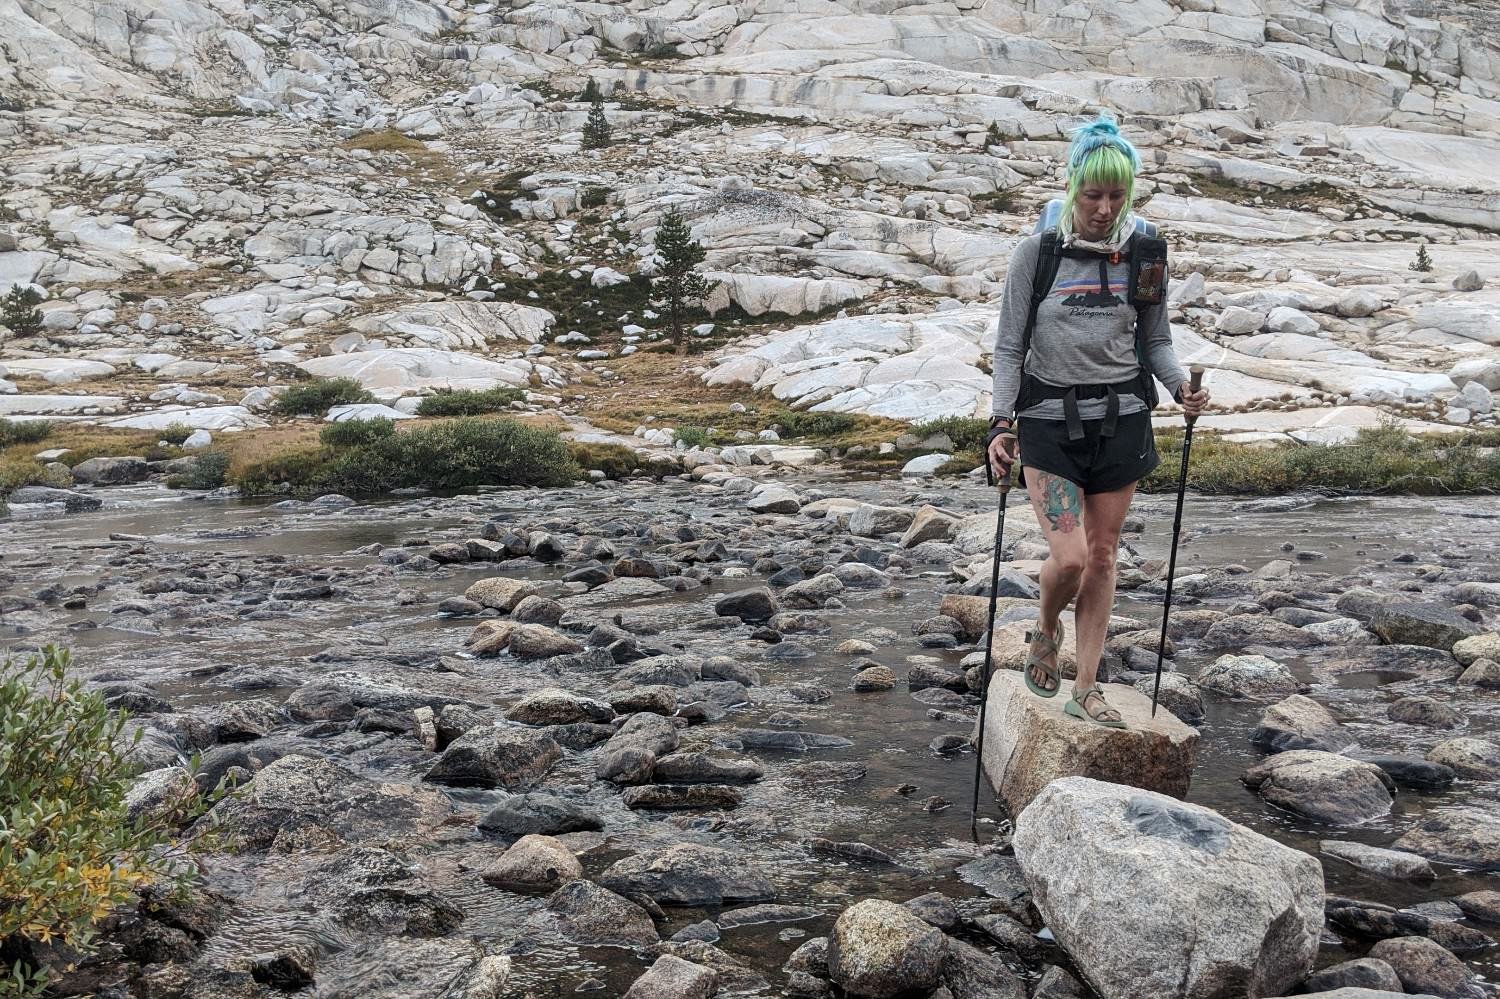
(1195, 382)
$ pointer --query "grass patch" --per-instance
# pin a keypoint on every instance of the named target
(23, 431)
(175, 434)
(495, 199)
(387, 140)
(469, 402)
(994, 201)
(445, 457)
(594, 196)
(693, 437)
(616, 461)
(356, 433)
(1380, 460)
(1308, 197)
(316, 397)
(794, 423)
(18, 472)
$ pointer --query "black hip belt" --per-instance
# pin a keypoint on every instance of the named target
(1034, 390)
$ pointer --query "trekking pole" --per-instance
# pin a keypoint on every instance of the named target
(1187, 447)
(989, 637)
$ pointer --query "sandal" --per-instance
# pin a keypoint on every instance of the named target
(1100, 714)
(1050, 647)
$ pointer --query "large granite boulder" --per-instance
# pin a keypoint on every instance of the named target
(1430, 625)
(880, 949)
(1428, 968)
(1154, 897)
(1029, 742)
(1465, 837)
(1256, 678)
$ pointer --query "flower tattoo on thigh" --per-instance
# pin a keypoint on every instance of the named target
(1061, 504)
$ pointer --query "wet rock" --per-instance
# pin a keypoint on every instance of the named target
(537, 610)
(449, 553)
(112, 471)
(1470, 650)
(546, 814)
(1465, 837)
(1178, 694)
(659, 700)
(673, 797)
(1166, 898)
(301, 589)
(671, 671)
(1240, 630)
(1029, 742)
(701, 768)
(72, 502)
(879, 949)
(159, 793)
(370, 889)
(1249, 677)
(297, 794)
(459, 607)
(795, 742)
(1468, 757)
(545, 548)
(500, 592)
(673, 978)
(970, 973)
(1365, 973)
(934, 909)
(593, 916)
(1409, 771)
(870, 521)
(1425, 967)
(1323, 786)
(689, 874)
(1010, 934)
(929, 524)
(454, 720)
(1482, 673)
(1002, 879)
(1482, 906)
(496, 757)
(706, 930)
(558, 707)
(946, 745)
(630, 755)
(1059, 983)
(534, 862)
(924, 675)
(287, 969)
(537, 641)
(1422, 710)
(1341, 631)
(1371, 920)
(1430, 625)
(859, 576)
(813, 593)
(490, 638)
(874, 678)
(774, 498)
(1387, 863)
(1298, 723)
(748, 605)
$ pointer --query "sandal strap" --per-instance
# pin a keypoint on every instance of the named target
(1083, 702)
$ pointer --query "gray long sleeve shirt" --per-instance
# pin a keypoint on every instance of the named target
(1084, 335)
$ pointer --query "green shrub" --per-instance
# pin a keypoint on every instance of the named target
(615, 460)
(176, 433)
(966, 432)
(446, 456)
(356, 433)
(596, 131)
(316, 397)
(210, 469)
(23, 431)
(594, 196)
(796, 423)
(1423, 262)
(693, 437)
(15, 473)
(69, 853)
(19, 312)
(469, 402)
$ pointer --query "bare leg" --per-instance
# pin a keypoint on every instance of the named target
(1104, 515)
(1059, 506)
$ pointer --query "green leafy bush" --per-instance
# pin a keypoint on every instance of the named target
(594, 196)
(69, 852)
(23, 431)
(210, 469)
(966, 432)
(356, 433)
(316, 397)
(469, 402)
(446, 456)
(15, 473)
(795, 423)
(176, 433)
(692, 437)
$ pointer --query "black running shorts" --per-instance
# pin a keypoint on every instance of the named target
(1097, 464)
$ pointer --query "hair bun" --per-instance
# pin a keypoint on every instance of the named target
(1102, 131)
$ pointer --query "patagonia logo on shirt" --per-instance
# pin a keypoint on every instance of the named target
(1087, 293)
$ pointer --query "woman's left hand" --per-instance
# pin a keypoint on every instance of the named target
(1193, 403)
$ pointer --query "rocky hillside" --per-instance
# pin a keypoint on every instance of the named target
(216, 198)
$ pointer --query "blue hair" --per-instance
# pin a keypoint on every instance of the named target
(1099, 153)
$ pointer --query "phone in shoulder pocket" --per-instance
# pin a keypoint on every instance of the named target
(1150, 282)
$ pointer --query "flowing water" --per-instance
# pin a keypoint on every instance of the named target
(890, 731)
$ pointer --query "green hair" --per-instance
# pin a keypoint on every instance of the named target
(1100, 155)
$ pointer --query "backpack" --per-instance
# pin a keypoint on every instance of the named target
(1146, 254)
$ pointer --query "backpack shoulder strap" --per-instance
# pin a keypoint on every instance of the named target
(1047, 259)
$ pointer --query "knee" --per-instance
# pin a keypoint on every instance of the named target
(1070, 564)
(1101, 559)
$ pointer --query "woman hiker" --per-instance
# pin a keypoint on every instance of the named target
(1083, 330)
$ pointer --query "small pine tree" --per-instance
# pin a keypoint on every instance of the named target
(992, 136)
(677, 256)
(591, 91)
(1423, 263)
(596, 130)
(19, 312)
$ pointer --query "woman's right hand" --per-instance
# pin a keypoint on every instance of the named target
(1004, 450)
